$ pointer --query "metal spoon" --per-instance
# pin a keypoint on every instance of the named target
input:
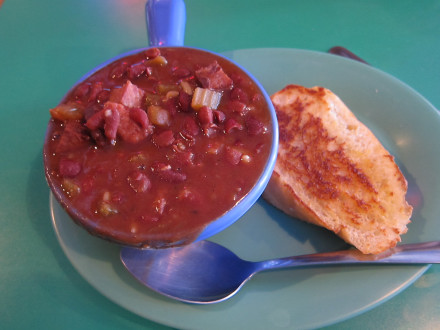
(205, 272)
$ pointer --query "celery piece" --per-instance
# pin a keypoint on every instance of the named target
(70, 187)
(106, 209)
(205, 97)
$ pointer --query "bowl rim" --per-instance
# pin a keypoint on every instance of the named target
(241, 206)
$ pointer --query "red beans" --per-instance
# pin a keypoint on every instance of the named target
(231, 125)
(237, 106)
(81, 91)
(181, 72)
(69, 168)
(119, 70)
(233, 155)
(240, 95)
(206, 117)
(156, 145)
(103, 96)
(254, 126)
(219, 116)
(190, 127)
(136, 70)
(184, 101)
(138, 181)
(184, 158)
(95, 89)
(164, 139)
(152, 53)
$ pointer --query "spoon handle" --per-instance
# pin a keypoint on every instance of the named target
(418, 253)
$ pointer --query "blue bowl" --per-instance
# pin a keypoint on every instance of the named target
(169, 33)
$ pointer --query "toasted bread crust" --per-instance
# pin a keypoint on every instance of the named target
(332, 171)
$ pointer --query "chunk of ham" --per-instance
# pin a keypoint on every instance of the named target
(108, 118)
(131, 124)
(166, 173)
(213, 77)
(74, 136)
(133, 127)
(139, 181)
(128, 95)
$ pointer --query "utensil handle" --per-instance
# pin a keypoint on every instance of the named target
(165, 22)
(344, 52)
(419, 253)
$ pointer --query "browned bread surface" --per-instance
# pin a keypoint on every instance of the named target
(332, 171)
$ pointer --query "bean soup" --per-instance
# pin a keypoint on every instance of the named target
(154, 146)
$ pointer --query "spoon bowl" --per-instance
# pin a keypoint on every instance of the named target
(205, 272)
(201, 272)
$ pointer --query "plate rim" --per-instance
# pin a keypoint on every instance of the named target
(373, 304)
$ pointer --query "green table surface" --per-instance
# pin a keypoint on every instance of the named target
(46, 45)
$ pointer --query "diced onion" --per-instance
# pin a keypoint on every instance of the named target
(158, 116)
(165, 88)
(158, 60)
(171, 94)
(246, 158)
(186, 87)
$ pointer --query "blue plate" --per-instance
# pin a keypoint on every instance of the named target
(407, 125)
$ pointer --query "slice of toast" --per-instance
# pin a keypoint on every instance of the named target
(332, 171)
